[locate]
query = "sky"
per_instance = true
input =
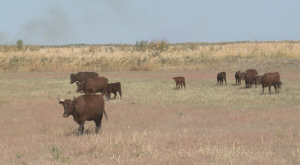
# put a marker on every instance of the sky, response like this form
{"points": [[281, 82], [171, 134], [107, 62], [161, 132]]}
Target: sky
{"points": [[60, 22]]}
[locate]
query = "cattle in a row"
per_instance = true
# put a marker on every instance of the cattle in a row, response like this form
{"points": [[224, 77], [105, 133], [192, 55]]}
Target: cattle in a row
{"points": [[88, 107]]}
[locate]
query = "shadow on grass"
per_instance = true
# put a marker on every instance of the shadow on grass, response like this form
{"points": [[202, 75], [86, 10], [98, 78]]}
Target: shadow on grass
{"points": [[75, 132]]}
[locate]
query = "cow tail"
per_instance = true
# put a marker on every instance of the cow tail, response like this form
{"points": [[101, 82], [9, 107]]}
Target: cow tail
{"points": [[105, 115]]}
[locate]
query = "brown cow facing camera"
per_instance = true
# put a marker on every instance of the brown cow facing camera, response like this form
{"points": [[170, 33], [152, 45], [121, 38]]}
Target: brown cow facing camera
{"points": [[220, 77], [180, 81], [82, 76], [271, 79], [88, 107], [114, 88], [250, 76]]}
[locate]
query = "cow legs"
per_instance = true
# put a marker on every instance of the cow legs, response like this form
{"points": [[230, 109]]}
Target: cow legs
{"points": [[115, 95], [81, 128], [225, 82], [263, 89], [98, 125], [275, 89], [270, 89], [184, 85]]}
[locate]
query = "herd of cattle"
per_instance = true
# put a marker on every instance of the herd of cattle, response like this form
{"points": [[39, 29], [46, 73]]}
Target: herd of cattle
{"points": [[90, 106], [251, 77]]}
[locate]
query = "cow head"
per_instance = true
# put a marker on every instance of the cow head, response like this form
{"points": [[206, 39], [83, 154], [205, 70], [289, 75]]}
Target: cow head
{"points": [[279, 84], [69, 106], [80, 86], [243, 75], [73, 78], [175, 78]]}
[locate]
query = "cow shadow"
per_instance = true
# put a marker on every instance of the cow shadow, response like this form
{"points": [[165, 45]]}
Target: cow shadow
{"points": [[75, 132]]}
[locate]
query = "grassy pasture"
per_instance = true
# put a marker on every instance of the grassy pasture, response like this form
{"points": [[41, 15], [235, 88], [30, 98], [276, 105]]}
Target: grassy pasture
{"points": [[154, 123]]}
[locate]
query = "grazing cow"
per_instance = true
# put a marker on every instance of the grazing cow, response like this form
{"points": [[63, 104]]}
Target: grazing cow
{"points": [[82, 76], [250, 76], [179, 82], [238, 77], [94, 85], [87, 107], [271, 79], [114, 88], [220, 77]]}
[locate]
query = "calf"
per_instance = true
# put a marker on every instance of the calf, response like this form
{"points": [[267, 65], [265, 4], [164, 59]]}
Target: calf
{"points": [[220, 77], [114, 88], [94, 85], [87, 107], [82, 76], [179, 82], [271, 79], [238, 77]]}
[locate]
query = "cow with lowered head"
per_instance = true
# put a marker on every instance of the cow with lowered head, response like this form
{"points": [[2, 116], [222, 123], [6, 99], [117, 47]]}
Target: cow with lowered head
{"points": [[180, 81], [271, 79], [88, 107], [250, 76], [82, 76], [114, 88], [220, 77], [94, 85]]}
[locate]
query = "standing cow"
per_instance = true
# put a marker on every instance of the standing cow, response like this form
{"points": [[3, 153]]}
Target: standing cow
{"points": [[271, 79], [94, 85], [238, 77], [220, 77], [114, 88], [180, 81], [87, 107], [82, 76], [250, 76]]}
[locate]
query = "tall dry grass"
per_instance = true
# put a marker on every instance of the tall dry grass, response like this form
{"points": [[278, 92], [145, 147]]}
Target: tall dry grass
{"points": [[230, 56]]}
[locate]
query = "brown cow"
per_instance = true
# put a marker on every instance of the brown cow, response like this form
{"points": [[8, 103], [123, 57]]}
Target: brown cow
{"points": [[87, 107], [271, 79], [238, 77], [179, 82], [250, 76], [82, 76], [114, 88], [220, 77], [258, 80], [94, 85]]}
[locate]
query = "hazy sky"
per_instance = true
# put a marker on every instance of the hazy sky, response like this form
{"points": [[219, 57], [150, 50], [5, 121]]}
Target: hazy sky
{"points": [[58, 22]]}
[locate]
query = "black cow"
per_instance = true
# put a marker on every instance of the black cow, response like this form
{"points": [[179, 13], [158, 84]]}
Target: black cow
{"points": [[82, 76], [87, 107], [238, 77]]}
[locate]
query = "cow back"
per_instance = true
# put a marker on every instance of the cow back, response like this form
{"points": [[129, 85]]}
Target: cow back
{"points": [[114, 87], [90, 106], [96, 84], [84, 76]]}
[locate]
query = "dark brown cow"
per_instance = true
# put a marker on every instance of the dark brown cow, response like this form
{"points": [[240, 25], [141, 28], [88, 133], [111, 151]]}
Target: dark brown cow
{"points": [[250, 76], [220, 77], [87, 107], [180, 81], [94, 85], [82, 76], [271, 79], [114, 88], [238, 77]]}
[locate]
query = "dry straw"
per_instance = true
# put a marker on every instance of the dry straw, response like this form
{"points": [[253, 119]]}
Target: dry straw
{"points": [[230, 56]]}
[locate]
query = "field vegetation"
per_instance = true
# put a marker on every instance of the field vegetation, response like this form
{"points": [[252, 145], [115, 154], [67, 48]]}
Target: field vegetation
{"points": [[153, 123], [156, 55]]}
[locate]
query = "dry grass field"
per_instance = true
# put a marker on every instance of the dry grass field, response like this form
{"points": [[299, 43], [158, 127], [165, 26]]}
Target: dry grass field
{"points": [[153, 123]]}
